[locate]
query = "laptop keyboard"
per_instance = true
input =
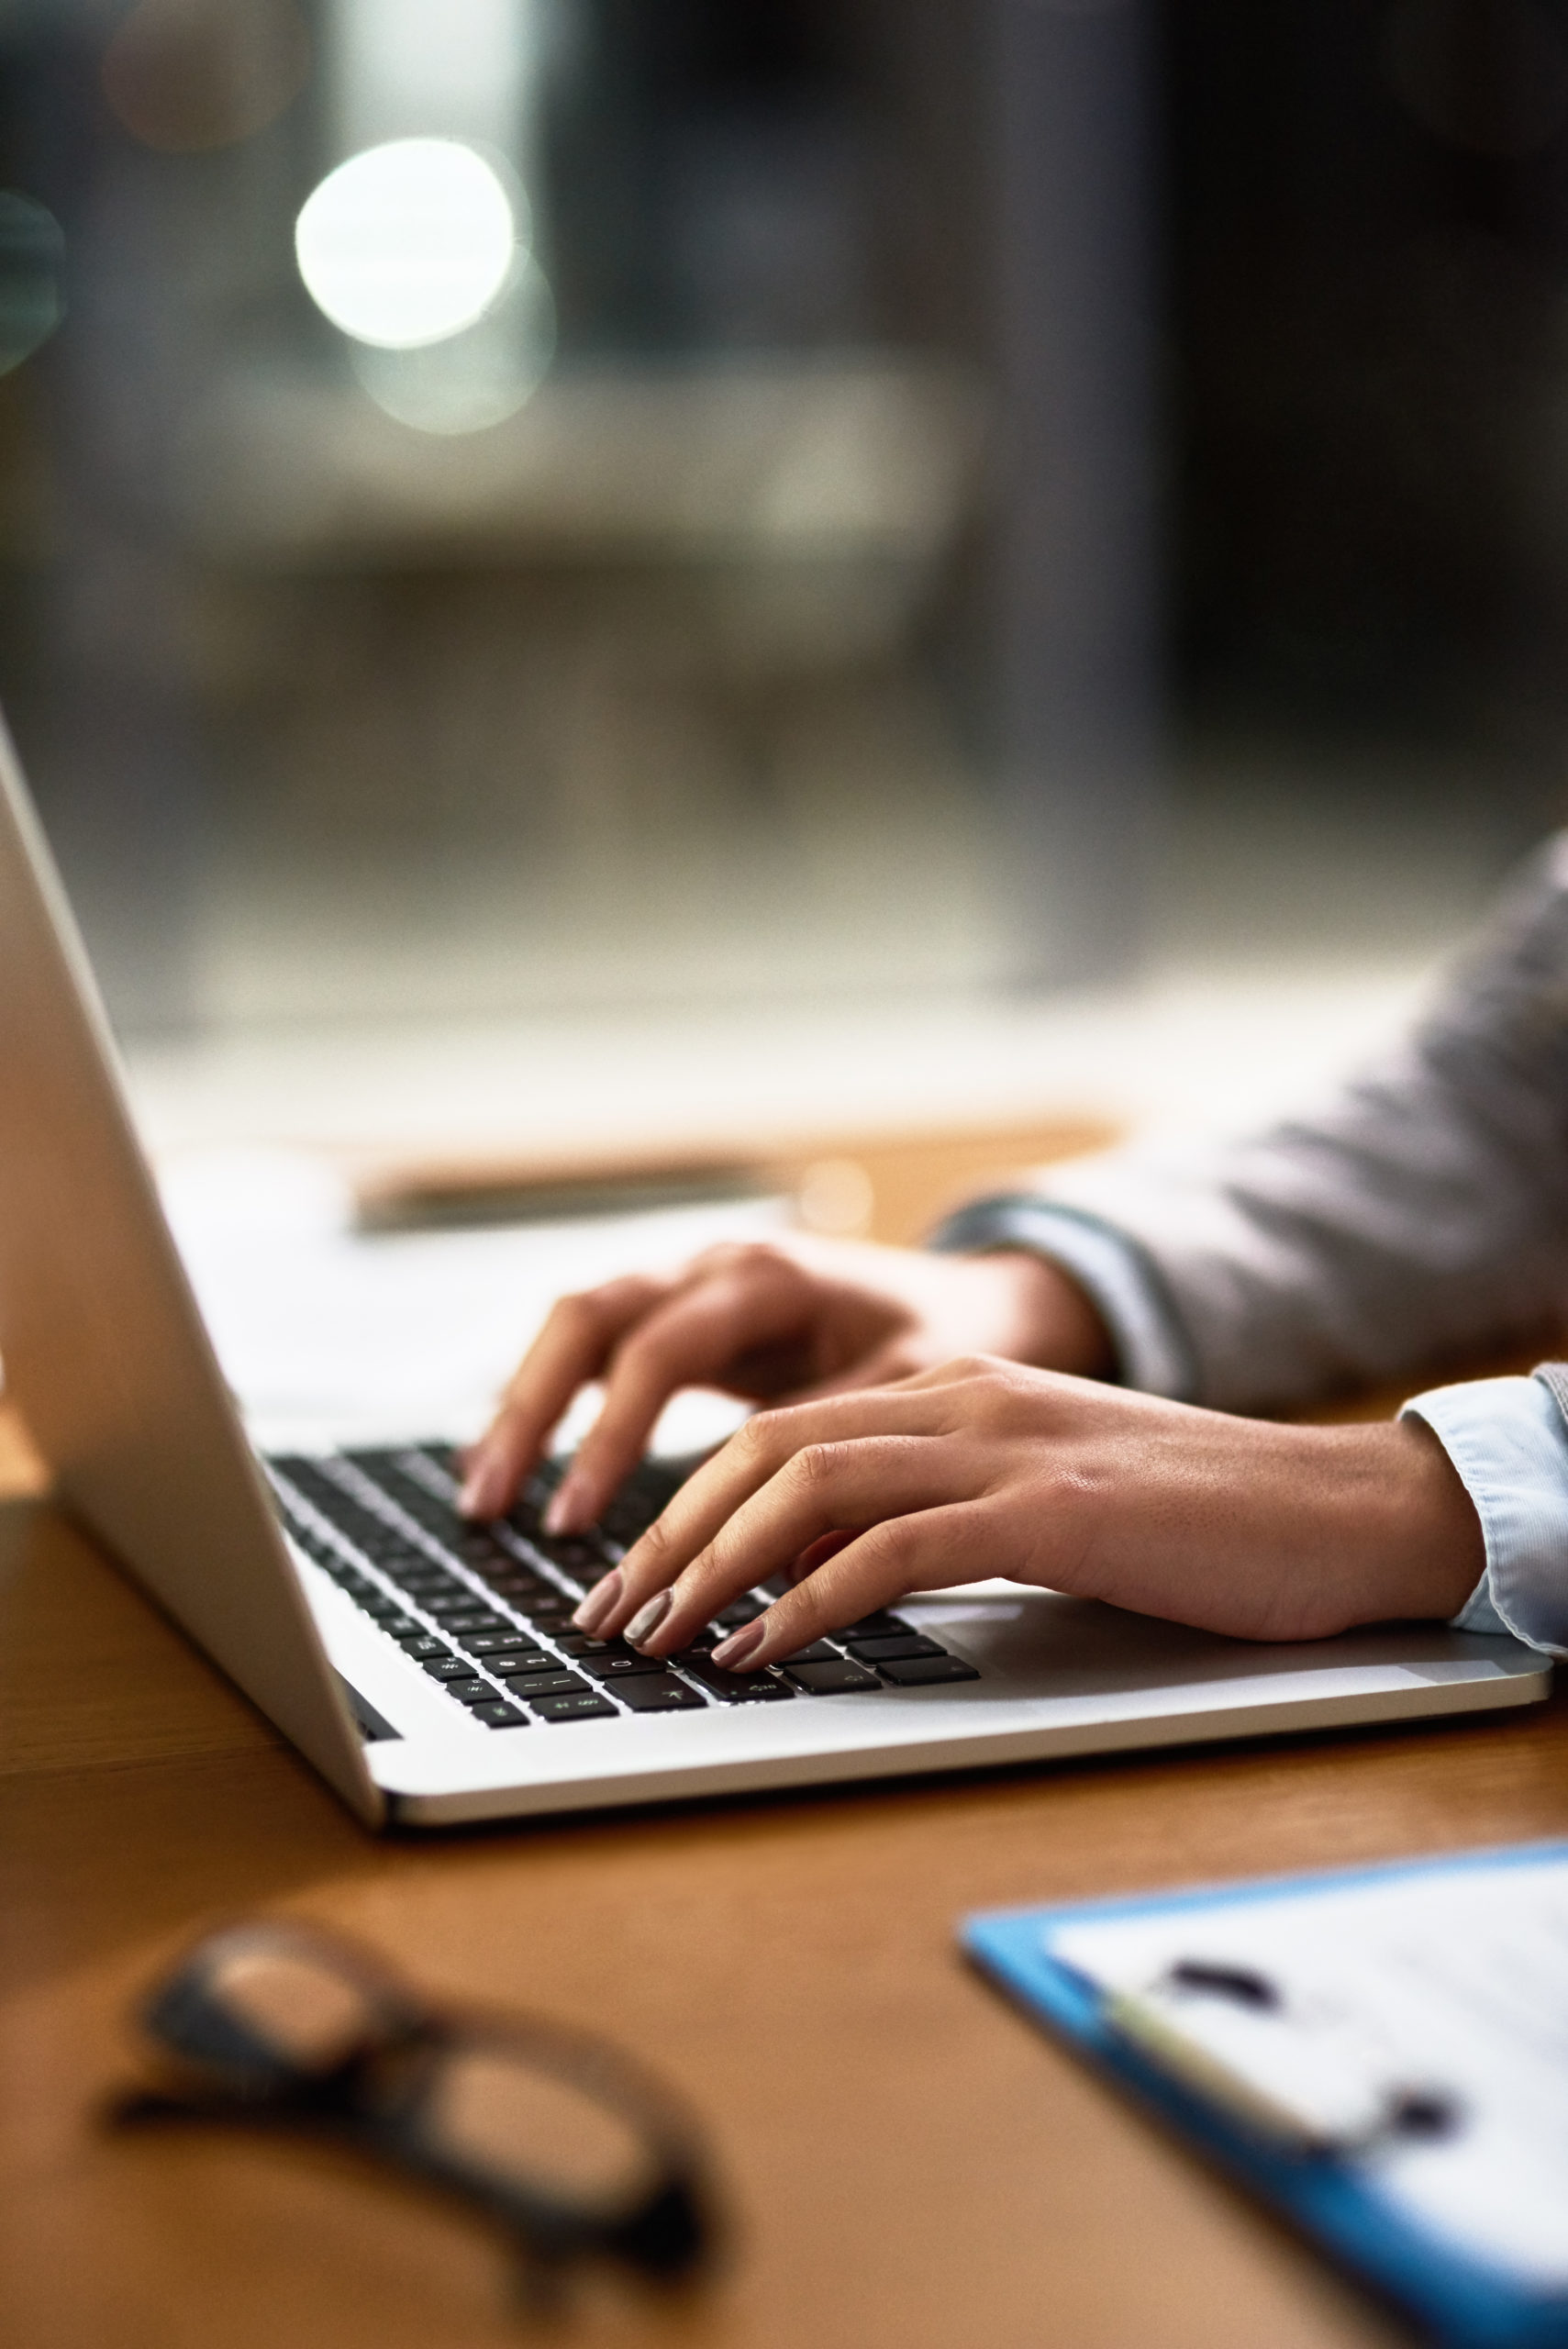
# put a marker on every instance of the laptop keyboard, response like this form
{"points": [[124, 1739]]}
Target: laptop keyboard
{"points": [[485, 1611]]}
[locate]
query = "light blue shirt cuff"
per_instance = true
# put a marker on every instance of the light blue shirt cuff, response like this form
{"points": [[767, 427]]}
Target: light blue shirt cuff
{"points": [[1113, 1271], [1509, 1445]]}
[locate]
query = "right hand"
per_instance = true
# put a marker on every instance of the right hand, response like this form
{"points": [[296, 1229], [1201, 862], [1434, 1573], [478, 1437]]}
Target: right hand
{"points": [[781, 1322]]}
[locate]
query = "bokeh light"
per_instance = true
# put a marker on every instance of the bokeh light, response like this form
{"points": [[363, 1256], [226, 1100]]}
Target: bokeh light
{"points": [[471, 381], [186, 76], [32, 255], [407, 243]]}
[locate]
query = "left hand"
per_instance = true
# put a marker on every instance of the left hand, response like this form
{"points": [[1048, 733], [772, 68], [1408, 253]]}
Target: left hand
{"points": [[986, 1468]]}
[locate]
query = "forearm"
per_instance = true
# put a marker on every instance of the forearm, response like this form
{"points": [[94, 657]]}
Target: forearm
{"points": [[1423, 1211]]}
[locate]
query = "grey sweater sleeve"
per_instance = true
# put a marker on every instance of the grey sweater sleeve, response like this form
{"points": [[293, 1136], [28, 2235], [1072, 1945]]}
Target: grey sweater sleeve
{"points": [[1424, 1209]]}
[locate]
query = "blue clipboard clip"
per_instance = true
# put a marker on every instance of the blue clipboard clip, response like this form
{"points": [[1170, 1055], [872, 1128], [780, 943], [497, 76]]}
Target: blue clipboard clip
{"points": [[1326, 2186]]}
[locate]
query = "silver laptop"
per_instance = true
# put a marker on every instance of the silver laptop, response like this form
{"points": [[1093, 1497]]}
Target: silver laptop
{"points": [[428, 1669]]}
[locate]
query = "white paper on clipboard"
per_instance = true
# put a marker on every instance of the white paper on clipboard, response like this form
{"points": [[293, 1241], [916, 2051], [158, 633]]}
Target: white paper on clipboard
{"points": [[1450, 1981]]}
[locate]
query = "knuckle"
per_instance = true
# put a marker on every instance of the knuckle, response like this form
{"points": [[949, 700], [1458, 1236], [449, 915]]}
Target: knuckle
{"points": [[883, 1551], [654, 1543], [751, 1261], [762, 1256], [763, 1436], [579, 1310], [646, 1351], [815, 1465], [887, 1540]]}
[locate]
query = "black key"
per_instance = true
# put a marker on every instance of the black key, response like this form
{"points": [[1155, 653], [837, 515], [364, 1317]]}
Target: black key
{"points": [[625, 1522], [396, 1559], [884, 1651], [473, 1541], [628, 1667], [447, 1666], [380, 1542], [457, 1601], [577, 1554], [734, 1688], [879, 1626], [378, 1605], [422, 1645], [491, 1643], [547, 1606], [472, 1692], [499, 1715], [584, 1643], [314, 1544], [817, 1653], [517, 1660], [738, 1611], [840, 1678], [572, 1709], [401, 1627], [347, 1577], [547, 1684], [476, 1626], [659, 1692], [921, 1671]]}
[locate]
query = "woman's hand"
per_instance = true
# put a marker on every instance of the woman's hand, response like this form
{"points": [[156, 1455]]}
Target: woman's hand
{"points": [[986, 1468], [792, 1320]]}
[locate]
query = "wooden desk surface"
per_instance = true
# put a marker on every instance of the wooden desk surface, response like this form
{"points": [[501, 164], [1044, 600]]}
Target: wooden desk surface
{"points": [[908, 2161]]}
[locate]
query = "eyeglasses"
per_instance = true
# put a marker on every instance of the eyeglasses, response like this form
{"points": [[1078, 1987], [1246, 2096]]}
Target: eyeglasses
{"points": [[554, 2136]]}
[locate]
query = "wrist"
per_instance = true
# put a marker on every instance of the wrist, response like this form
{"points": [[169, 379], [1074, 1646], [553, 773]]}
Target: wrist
{"points": [[1415, 1534], [1059, 1326]]}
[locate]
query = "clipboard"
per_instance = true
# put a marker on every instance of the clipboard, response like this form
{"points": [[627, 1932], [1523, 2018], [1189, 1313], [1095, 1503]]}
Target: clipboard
{"points": [[1335, 2194]]}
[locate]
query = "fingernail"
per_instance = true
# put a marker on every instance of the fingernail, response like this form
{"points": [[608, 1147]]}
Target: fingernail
{"points": [[597, 1605], [732, 1652], [647, 1620], [564, 1513]]}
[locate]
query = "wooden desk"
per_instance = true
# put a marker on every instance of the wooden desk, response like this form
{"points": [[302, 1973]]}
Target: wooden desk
{"points": [[910, 2163]]}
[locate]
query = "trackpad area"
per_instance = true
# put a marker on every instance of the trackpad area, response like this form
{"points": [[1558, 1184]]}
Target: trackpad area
{"points": [[1051, 1644]]}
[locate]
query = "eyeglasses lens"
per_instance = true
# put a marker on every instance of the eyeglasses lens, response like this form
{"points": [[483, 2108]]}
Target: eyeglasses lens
{"points": [[493, 2111], [305, 2015], [269, 2012]]}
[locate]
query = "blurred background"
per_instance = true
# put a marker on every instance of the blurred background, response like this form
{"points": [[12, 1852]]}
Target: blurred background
{"points": [[576, 570]]}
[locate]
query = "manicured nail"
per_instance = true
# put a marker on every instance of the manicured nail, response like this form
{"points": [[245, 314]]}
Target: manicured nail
{"points": [[647, 1620], [565, 1513], [732, 1652], [597, 1605]]}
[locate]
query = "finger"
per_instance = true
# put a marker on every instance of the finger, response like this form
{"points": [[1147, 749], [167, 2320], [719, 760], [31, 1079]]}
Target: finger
{"points": [[691, 1341], [709, 1499], [821, 1489], [816, 1553], [927, 1550], [570, 1349]]}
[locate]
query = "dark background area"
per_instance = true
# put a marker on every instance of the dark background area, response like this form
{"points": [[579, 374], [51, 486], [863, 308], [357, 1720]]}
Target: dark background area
{"points": [[1358, 218], [1368, 257]]}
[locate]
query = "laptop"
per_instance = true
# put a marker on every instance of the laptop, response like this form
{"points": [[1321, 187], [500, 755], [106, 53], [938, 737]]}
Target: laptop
{"points": [[428, 1669]]}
